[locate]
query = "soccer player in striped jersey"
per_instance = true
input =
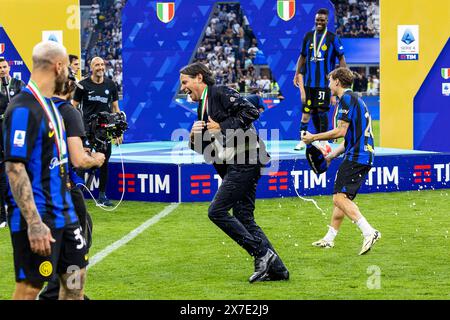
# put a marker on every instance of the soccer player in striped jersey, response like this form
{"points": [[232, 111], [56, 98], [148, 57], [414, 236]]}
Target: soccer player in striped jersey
{"points": [[354, 124], [320, 49], [45, 231]]}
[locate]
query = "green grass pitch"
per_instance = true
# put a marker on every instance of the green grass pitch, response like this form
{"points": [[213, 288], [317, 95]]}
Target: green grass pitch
{"points": [[185, 256]]}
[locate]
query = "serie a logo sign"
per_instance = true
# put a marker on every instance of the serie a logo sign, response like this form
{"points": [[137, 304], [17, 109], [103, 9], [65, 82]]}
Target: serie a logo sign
{"points": [[286, 9], [165, 11]]}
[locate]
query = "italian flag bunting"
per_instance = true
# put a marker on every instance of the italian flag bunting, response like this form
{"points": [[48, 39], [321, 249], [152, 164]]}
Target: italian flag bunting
{"points": [[445, 72], [286, 9], [165, 11]]}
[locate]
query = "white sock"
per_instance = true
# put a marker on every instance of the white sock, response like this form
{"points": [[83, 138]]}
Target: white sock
{"points": [[365, 227], [331, 234]]}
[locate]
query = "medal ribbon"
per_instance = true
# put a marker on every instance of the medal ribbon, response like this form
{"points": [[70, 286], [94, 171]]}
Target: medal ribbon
{"points": [[317, 48], [204, 101], [57, 123]]}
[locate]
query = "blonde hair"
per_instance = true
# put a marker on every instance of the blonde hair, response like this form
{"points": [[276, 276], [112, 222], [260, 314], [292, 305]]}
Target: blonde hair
{"points": [[46, 52]]}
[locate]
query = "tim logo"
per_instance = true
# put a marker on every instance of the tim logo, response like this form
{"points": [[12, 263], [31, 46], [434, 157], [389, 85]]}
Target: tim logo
{"points": [[144, 183], [201, 184], [422, 173], [278, 180], [129, 184]]}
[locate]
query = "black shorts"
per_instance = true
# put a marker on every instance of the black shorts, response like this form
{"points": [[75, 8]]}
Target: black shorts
{"points": [[316, 98], [349, 178], [83, 215], [69, 250]]}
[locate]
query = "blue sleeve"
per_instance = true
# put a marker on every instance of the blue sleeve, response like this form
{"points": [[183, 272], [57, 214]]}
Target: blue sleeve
{"points": [[338, 47], [344, 112], [305, 47], [20, 131]]}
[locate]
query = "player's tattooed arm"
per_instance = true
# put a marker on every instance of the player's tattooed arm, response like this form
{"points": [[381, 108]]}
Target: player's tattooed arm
{"points": [[343, 125], [22, 192], [338, 132], [38, 233]]}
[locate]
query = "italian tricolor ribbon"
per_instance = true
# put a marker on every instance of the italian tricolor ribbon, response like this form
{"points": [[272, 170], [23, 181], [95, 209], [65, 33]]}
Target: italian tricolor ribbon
{"points": [[52, 114]]}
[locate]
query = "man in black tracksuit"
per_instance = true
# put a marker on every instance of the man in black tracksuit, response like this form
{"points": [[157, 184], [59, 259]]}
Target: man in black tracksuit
{"points": [[226, 137]]}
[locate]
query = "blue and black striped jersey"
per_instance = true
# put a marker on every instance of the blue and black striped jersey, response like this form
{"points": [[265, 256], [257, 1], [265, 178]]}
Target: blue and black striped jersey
{"points": [[316, 72], [359, 138], [29, 139]]}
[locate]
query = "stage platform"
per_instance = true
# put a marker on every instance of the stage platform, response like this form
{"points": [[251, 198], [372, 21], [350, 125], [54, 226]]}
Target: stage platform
{"points": [[170, 172]]}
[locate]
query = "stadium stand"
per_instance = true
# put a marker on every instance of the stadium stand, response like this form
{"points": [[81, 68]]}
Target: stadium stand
{"points": [[102, 36], [357, 19], [228, 47]]}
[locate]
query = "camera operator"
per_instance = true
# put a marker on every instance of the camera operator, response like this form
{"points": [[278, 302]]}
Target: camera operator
{"points": [[98, 94], [79, 159], [9, 87]]}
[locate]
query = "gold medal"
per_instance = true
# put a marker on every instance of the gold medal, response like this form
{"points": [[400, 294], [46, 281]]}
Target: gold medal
{"points": [[316, 49]]}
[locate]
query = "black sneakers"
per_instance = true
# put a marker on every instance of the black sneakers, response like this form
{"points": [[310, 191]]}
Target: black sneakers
{"points": [[262, 265], [104, 201], [278, 275]]}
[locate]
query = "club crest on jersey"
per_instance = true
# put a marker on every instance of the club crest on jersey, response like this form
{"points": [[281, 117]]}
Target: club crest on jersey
{"points": [[106, 91]]}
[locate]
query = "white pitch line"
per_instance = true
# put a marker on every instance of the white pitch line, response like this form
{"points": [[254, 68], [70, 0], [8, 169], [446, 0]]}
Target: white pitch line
{"points": [[133, 234]]}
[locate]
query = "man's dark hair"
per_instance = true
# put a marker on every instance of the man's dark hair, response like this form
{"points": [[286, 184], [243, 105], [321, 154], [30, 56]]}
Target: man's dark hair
{"points": [[72, 57], [323, 11], [193, 69], [2, 59], [68, 87], [344, 75]]}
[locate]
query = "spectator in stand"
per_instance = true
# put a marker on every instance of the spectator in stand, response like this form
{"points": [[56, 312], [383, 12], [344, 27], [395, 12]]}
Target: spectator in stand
{"points": [[370, 85], [351, 13], [264, 84], [106, 38], [375, 85], [359, 82]]}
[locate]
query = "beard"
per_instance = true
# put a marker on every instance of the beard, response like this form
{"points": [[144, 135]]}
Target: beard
{"points": [[60, 81]]}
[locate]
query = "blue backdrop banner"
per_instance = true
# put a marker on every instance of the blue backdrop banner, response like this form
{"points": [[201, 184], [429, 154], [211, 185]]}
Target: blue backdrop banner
{"points": [[154, 52], [432, 107]]}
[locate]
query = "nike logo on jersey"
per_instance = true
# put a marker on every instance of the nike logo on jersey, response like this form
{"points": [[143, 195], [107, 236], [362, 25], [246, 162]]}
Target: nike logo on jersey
{"points": [[51, 133], [91, 92]]}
